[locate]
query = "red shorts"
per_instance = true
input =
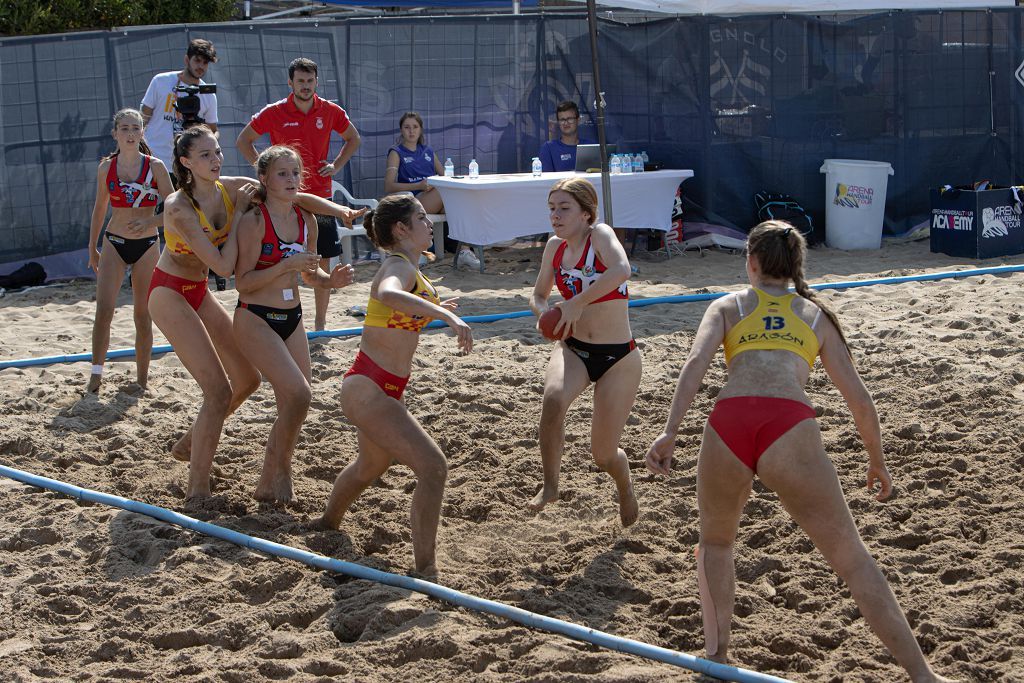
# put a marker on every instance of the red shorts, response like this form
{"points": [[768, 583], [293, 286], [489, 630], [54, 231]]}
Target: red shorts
{"points": [[392, 385], [194, 291], [750, 424]]}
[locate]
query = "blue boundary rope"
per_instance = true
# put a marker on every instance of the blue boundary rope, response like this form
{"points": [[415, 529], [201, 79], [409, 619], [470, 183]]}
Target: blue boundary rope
{"points": [[531, 619], [678, 299]]}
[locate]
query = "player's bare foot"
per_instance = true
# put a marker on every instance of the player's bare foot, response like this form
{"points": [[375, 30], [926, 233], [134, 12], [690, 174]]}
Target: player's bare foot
{"points": [[629, 509], [277, 490], [182, 450], [133, 389], [93, 387], [428, 573], [325, 524], [544, 496], [196, 494]]}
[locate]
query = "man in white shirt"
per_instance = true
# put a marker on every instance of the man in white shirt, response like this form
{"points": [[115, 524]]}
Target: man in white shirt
{"points": [[161, 97]]}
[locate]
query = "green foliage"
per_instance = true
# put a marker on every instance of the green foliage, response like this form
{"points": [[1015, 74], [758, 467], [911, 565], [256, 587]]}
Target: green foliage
{"points": [[185, 11], [34, 17]]}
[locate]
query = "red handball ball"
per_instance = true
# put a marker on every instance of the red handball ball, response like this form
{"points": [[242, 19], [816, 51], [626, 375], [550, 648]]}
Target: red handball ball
{"points": [[549, 321]]}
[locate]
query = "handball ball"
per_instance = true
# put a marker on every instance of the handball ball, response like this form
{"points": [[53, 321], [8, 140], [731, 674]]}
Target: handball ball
{"points": [[549, 321]]}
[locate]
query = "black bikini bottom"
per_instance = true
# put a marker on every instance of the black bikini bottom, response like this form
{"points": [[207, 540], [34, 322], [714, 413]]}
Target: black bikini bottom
{"points": [[599, 358], [131, 250], [281, 320]]}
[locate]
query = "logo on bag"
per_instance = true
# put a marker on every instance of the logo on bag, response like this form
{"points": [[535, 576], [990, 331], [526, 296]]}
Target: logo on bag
{"points": [[952, 219], [998, 221], [853, 196]]}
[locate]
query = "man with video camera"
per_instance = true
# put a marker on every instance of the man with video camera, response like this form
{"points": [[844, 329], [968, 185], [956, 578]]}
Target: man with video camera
{"points": [[176, 100]]}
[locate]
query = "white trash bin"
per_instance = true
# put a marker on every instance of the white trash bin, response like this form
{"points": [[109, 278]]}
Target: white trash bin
{"points": [[855, 202]]}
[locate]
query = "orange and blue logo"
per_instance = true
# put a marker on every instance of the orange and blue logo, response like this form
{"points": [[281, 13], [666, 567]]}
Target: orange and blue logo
{"points": [[853, 196]]}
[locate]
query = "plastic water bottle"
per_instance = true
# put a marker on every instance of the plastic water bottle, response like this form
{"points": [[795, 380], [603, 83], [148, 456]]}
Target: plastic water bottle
{"points": [[646, 158], [538, 167], [449, 168], [638, 163], [614, 165], [627, 163], [474, 169]]}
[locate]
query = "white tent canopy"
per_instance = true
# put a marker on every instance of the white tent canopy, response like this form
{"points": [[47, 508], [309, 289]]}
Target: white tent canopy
{"points": [[812, 6]]}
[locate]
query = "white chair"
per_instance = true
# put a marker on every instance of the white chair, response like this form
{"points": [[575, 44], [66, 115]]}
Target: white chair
{"points": [[357, 229], [438, 219]]}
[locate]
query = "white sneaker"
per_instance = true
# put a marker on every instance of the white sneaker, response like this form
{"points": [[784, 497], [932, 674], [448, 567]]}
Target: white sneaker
{"points": [[467, 259]]}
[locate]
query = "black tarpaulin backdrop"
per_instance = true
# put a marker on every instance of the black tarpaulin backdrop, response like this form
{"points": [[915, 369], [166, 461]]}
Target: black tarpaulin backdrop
{"points": [[749, 103]]}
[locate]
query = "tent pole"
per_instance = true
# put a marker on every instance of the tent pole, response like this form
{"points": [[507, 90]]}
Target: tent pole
{"points": [[606, 185]]}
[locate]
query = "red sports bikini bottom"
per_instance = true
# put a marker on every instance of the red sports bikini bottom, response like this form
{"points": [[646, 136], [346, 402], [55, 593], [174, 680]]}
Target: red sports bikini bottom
{"points": [[390, 384], [750, 424], [194, 291]]}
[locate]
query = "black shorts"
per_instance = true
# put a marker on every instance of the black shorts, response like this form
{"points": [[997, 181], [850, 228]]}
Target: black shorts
{"points": [[328, 243]]}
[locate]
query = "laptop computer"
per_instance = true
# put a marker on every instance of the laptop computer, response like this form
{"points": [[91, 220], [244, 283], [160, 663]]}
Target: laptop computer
{"points": [[588, 157]]}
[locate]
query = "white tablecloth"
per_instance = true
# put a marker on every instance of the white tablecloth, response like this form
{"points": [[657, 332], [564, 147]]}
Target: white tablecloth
{"points": [[496, 208]]}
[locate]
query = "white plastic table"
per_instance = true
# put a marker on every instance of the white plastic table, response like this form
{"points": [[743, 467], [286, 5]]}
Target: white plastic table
{"points": [[497, 208]]}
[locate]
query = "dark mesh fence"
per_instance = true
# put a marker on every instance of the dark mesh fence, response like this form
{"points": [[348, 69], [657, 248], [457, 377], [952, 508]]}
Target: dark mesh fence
{"points": [[750, 103]]}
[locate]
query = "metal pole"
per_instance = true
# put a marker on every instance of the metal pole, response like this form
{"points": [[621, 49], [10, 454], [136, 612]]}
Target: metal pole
{"points": [[606, 181]]}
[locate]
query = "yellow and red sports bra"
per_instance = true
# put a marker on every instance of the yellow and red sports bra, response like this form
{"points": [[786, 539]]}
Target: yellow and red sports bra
{"points": [[381, 315], [218, 236], [771, 326]]}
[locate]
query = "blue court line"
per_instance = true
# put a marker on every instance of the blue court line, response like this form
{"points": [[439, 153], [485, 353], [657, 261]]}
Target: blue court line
{"points": [[531, 619], [494, 317]]}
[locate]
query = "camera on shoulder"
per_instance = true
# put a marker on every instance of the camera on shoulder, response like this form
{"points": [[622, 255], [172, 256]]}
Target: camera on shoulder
{"points": [[188, 103]]}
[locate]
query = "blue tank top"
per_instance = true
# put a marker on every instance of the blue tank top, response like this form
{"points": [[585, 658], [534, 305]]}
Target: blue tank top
{"points": [[414, 166]]}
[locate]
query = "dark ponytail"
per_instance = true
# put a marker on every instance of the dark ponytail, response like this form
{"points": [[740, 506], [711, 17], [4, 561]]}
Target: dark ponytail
{"points": [[380, 222], [780, 250], [370, 227]]}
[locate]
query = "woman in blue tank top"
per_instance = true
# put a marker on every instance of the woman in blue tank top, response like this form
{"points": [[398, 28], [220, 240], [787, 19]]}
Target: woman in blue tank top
{"points": [[411, 162]]}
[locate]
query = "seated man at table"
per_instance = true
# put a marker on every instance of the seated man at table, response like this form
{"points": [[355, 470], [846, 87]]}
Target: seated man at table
{"points": [[560, 154]]}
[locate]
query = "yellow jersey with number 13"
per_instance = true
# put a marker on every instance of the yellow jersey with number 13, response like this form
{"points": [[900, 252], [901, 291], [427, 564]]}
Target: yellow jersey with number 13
{"points": [[772, 326]]}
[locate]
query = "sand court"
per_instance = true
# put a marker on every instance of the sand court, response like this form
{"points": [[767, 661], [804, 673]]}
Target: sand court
{"points": [[90, 592]]}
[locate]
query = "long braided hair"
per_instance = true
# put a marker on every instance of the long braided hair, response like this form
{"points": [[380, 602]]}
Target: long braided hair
{"points": [[780, 250], [129, 113], [182, 146]]}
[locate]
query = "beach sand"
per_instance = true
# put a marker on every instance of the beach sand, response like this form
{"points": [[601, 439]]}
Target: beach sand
{"points": [[92, 593]]}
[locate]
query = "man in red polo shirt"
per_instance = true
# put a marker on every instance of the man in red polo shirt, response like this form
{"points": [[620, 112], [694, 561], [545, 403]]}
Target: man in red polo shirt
{"points": [[305, 121]]}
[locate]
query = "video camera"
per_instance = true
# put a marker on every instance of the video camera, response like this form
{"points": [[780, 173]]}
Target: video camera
{"points": [[188, 105]]}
